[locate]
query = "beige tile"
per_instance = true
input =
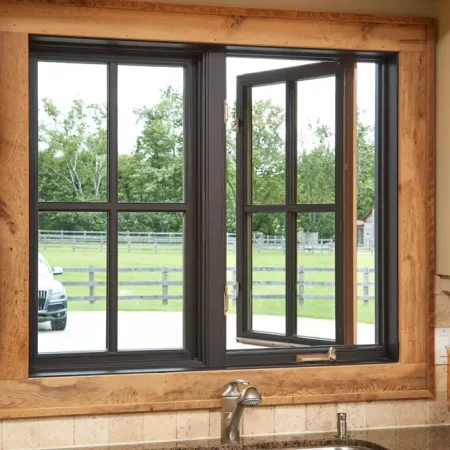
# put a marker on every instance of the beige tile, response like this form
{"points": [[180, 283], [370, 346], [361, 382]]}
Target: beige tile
{"points": [[56, 432], [290, 419], [437, 285], [437, 410], [321, 417], [356, 414], [441, 378], [160, 426], [444, 284], [258, 420], [19, 434], [91, 430], [214, 423], [126, 428], [192, 424], [411, 412], [442, 319], [381, 414]]}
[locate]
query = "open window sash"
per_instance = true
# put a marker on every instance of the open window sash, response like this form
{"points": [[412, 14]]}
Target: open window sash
{"points": [[254, 328]]}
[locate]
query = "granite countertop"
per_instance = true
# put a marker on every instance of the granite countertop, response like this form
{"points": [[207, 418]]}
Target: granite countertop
{"points": [[417, 438]]}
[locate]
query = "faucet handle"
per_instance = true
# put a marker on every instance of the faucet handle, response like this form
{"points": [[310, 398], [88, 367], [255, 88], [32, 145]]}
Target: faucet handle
{"points": [[231, 389]]}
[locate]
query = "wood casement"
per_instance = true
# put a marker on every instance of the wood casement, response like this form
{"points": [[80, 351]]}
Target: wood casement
{"points": [[411, 38]]}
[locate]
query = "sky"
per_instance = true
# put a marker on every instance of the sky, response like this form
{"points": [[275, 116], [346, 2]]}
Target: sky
{"points": [[141, 86]]}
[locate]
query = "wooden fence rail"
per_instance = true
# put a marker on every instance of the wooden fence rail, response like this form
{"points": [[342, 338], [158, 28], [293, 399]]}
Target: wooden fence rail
{"points": [[165, 283], [129, 241]]}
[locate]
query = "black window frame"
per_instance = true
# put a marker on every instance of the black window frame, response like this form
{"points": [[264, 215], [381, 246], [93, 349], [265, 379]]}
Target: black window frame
{"points": [[207, 339]]}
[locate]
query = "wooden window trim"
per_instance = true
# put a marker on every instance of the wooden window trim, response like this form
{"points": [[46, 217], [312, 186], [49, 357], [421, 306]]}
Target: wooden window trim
{"points": [[412, 377]]}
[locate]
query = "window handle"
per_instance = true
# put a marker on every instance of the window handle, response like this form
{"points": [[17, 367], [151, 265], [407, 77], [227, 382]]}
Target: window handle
{"points": [[329, 356], [226, 300]]}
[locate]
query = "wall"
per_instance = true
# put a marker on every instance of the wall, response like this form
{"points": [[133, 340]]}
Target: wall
{"points": [[442, 139], [70, 431]]}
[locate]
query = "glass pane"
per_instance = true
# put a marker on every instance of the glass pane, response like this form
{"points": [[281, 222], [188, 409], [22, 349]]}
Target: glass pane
{"points": [[316, 140], [72, 162], [268, 144], [71, 282], [150, 133], [365, 206], [316, 292], [268, 259], [150, 281]]}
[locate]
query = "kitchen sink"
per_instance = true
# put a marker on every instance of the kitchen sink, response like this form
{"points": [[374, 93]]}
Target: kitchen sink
{"points": [[331, 448]]}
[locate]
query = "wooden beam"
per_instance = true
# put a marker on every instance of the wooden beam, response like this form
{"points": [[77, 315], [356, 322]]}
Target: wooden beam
{"points": [[70, 20], [199, 390], [14, 206], [350, 259], [233, 11]]}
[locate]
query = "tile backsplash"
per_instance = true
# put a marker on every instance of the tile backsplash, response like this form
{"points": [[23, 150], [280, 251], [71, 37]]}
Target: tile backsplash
{"points": [[75, 432]]}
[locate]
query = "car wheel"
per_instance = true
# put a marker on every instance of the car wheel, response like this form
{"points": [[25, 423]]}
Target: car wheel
{"points": [[59, 325]]}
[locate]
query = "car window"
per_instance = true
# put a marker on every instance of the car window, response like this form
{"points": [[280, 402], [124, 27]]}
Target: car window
{"points": [[44, 268]]}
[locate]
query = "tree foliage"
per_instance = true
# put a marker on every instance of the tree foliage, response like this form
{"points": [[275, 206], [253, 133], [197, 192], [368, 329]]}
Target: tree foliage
{"points": [[73, 166]]}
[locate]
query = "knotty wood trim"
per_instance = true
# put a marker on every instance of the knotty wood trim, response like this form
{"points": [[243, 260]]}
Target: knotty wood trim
{"points": [[13, 206], [21, 397], [199, 390], [69, 20], [242, 12], [349, 215], [414, 158]]}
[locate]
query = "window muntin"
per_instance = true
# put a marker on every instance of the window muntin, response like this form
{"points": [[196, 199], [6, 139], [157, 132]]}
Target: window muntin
{"points": [[203, 341]]}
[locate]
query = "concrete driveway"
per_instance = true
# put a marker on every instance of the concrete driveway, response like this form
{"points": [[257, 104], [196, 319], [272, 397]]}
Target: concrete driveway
{"points": [[86, 331]]}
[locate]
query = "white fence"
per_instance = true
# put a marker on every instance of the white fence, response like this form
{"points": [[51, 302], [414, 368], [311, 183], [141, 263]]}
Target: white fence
{"points": [[157, 242]]}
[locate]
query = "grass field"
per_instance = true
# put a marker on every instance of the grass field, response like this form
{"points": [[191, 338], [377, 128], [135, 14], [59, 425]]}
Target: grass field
{"points": [[172, 258]]}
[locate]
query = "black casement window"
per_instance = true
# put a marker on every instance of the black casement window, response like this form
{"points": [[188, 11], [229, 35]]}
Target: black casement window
{"points": [[188, 207], [291, 205]]}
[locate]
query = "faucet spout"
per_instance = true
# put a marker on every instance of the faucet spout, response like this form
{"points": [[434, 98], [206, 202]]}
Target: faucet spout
{"points": [[233, 403]]}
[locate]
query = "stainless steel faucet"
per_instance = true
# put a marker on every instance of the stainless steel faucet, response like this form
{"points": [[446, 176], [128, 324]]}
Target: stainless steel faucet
{"points": [[233, 402]]}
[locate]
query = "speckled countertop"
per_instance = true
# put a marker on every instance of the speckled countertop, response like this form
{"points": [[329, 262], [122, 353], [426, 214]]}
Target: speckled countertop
{"points": [[418, 438]]}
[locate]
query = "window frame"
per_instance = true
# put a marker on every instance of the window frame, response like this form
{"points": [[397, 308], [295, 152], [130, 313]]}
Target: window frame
{"points": [[210, 351], [111, 360], [386, 226]]}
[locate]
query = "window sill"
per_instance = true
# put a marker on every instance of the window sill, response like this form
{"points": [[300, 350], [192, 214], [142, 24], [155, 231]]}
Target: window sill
{"points": [[107, 394]]}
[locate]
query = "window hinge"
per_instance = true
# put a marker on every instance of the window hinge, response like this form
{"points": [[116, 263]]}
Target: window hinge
{"points": [[226, 112], [236, 290], [225, 300]]}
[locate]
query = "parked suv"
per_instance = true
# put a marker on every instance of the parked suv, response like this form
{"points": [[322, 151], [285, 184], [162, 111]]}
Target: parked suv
{"points": [[52, 297]]}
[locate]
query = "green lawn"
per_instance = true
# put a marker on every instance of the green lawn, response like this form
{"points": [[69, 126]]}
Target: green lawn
{"points": [[172, 258]]}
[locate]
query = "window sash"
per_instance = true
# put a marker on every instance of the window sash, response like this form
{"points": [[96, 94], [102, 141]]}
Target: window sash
{"points": [[111, 359], [245, 207]]}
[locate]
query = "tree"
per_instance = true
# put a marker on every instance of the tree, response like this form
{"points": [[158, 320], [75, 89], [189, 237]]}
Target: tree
{"points": [[72, 166], [365, 168], [153, 172], [72, 155]]}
